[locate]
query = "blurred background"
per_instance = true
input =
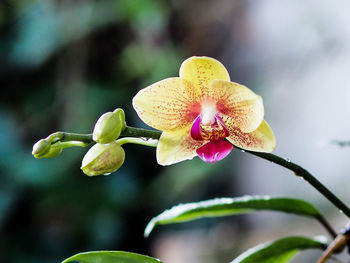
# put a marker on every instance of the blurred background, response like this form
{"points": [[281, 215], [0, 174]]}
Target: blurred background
{"points": [[63, 63]]}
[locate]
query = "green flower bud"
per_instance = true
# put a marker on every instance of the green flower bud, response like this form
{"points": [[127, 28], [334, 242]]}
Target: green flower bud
{"points": [[121, 114], [109, 126], [40, 148], [55, 150], [103, 159]]}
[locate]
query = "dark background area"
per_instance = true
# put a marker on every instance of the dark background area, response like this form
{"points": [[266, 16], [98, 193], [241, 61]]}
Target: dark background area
{"points": [[64, 63]]}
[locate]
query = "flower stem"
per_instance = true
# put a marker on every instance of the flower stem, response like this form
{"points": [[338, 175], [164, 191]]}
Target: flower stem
{"points": [[323, 221], [300, 171], [141, 141], [87, 138], [341, 143], [67, 137], [73, 144], [154, 134], [139, 132]]}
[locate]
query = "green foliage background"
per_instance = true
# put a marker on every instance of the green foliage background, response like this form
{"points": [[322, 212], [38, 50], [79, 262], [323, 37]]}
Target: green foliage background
{"points": [[63, 64]]}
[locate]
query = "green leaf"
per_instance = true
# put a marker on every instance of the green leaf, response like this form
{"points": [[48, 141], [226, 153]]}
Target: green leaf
{"points": [[230, 206], [280, 251], [110, 257]]}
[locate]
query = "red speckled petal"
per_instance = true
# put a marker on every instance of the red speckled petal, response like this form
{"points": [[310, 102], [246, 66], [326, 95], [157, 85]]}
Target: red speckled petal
{"points": [[214, 151], [177, 146], [196, 129], [242, 107], [168, 104], [200, 71], [260, 140], [223, 125]]}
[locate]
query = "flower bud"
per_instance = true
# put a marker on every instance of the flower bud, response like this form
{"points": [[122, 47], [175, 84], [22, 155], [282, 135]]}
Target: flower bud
{"points": [[40, 148], [109, 126], [103, 159], [121, 114], [55, 150]]}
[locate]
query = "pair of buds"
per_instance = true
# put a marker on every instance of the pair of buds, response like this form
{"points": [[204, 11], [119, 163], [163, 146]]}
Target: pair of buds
{"points": [[105, 157]]}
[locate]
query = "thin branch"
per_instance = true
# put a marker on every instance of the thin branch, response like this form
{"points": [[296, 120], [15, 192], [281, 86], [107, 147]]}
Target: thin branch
{"points": [[154, 134], [341, 143], [300, 171], [326, 225], [87, 138], [338, 244]]}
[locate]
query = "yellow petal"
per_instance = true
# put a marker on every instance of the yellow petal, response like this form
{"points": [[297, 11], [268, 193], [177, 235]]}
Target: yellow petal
{"points": [[260, 140], [241, 107], [177, 146], [167, 105], [200, 71]]}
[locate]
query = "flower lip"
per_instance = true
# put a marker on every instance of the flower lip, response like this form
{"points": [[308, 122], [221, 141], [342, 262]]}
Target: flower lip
{"points": [[214, 151]]}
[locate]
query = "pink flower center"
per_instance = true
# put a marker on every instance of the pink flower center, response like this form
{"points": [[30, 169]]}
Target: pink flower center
{"points": [[214, 132]]}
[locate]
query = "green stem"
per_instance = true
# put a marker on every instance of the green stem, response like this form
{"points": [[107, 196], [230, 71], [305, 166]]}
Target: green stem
{"points": [[141, 141], [300, 171], [139, 132], [73, 144], [154, 134], [87, 138], [323, 221], [67, 136], [341, 143]]}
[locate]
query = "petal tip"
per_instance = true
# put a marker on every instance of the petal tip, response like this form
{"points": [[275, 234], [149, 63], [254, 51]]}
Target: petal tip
{"points": [[176, 146], [189, 67], [260, 140]]}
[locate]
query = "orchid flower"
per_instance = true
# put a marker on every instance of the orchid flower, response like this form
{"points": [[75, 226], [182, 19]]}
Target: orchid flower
{"points": [[203, 113]]}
